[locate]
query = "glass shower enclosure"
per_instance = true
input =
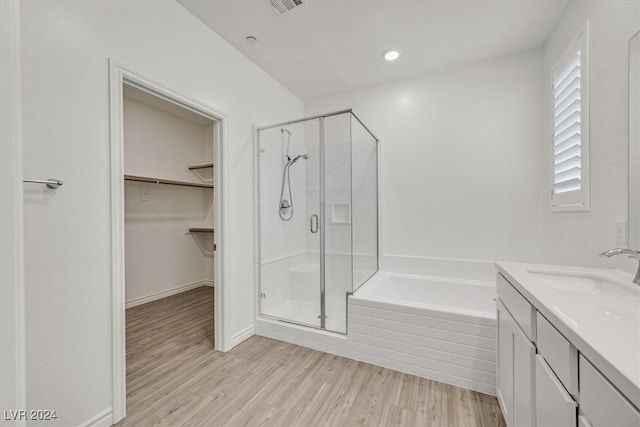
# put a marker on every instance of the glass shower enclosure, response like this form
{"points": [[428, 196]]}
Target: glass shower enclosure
{"points": [[317, 217]]}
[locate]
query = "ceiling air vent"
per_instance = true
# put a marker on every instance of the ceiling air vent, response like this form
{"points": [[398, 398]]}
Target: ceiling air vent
{"points": [[283, 6]]}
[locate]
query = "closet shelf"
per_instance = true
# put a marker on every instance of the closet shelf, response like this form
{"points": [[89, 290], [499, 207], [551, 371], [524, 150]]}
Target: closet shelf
{"points": [[202, 166], [200, 230], [165, 181]]}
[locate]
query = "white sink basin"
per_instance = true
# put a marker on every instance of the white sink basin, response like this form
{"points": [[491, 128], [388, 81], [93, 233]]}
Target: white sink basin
{"points": [[580, 283], [577, 296]]}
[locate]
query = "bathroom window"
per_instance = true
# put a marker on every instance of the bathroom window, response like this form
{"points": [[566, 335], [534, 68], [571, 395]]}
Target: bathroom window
{"points": [[570, 125]]}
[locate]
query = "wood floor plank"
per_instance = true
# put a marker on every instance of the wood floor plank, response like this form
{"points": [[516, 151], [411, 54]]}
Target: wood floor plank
{"points": [[393, 416], [369, 407], [345, 393], [175, 378]]}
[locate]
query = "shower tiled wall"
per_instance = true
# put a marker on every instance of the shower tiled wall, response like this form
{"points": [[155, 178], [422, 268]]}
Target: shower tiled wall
{"points": [[282, 243], [278, 238]]}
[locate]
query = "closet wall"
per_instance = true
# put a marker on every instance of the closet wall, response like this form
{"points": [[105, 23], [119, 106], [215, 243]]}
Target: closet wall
{"points": [[162, 257]]}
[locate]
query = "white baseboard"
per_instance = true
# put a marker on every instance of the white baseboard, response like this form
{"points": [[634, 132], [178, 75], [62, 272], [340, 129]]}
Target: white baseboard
{"points": [[166, 293], [242, 336], [103, 419], [327, 342]]}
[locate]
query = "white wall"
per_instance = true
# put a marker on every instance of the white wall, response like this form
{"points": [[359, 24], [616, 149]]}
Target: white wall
{"points": [[461, 154], [578, 238], [160, 258], [162, 144], [65, 50], [159, 255], [634, 142]]}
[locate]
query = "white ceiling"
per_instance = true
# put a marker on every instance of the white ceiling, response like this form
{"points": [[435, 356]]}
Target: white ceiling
{"points": [[332, 46]]}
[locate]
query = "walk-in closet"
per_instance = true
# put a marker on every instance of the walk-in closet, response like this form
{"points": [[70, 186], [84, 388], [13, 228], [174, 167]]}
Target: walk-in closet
{"points": [[169, 235]]}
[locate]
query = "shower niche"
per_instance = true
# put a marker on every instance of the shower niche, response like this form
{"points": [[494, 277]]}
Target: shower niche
{"points": [[317, 217]]}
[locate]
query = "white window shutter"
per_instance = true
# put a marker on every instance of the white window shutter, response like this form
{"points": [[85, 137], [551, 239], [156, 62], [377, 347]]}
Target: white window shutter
{"points": [[570, 125]]}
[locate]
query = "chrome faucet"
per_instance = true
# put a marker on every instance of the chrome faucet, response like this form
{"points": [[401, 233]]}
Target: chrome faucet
{"points": [[624, 251]]}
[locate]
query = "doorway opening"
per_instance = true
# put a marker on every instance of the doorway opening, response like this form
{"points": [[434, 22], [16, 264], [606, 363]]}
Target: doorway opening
{"points": [[167, 234]]}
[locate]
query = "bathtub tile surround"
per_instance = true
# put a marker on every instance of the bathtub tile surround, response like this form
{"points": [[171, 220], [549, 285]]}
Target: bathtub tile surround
{"points": [[466, 357], [410, 317]]}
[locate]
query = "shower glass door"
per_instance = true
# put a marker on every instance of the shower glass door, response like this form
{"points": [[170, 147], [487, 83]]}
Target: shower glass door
{"points": [[289, 222], [335, 134], [317, 218]]}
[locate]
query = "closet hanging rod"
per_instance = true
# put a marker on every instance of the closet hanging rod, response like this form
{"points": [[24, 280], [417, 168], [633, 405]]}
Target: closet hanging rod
{"points": [[165, 181], [51, 182]]}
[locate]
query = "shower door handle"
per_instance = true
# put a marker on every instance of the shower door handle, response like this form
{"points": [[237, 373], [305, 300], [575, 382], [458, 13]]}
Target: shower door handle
{"points": [[313, 223]]}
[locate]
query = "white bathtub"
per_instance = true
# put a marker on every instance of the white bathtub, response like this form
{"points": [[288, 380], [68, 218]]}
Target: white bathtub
{"points": [[467, 297], [438, 328]]}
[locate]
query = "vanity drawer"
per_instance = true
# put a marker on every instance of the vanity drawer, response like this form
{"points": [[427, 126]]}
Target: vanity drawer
{"points": [[554, 406], [559, 353], [523, 312], [601, 402]]}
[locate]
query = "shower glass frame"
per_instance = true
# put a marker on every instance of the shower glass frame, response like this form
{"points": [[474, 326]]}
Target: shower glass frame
{"points": [[353, 120]]}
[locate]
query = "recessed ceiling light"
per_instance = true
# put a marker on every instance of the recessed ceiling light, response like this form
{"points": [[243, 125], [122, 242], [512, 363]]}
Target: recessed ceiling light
{"points": [[251, 39], [390, 54]]}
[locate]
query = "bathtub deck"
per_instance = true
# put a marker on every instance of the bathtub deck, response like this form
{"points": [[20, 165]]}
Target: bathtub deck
{"points": [[176, 378]]}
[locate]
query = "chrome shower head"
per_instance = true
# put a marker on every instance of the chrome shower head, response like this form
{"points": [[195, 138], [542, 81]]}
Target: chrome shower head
{"points": [[283, 130], [296, 158]]}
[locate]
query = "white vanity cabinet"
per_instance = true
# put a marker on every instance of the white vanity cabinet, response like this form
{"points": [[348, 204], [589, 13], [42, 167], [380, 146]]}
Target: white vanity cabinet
{"points": [[554, 406], [531, 380], [543, 378], [516, 354], [601, 403], [556, 376], [560, 354]]}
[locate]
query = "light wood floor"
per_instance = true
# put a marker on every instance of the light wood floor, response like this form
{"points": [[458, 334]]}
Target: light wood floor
{"points": [[175, 378]]}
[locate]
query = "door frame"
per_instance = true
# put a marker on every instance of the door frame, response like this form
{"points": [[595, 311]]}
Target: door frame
{"points": [[118, 76], [12, 291]]}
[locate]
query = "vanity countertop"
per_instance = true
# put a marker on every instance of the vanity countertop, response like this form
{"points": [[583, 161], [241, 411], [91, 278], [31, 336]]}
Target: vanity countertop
{"points": [[602, 322]]}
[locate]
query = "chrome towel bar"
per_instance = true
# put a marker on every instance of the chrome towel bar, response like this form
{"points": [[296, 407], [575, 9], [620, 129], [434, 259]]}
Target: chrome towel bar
{"points": [[51, 183]]}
